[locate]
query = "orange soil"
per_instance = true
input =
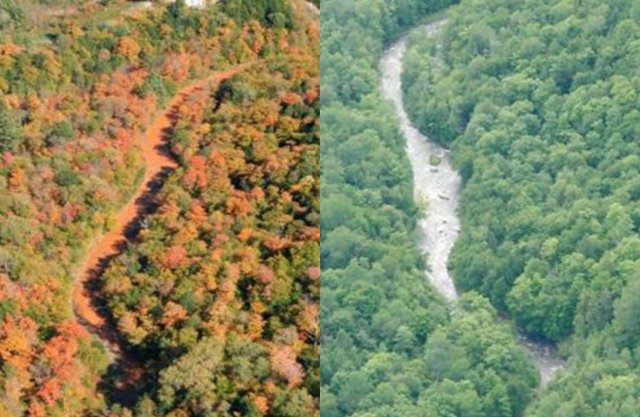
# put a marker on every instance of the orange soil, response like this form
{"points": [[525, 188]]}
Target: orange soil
{"points": [[158, 160]]}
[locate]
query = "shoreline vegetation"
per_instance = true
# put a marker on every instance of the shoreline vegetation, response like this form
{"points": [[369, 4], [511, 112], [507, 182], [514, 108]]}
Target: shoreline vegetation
{"points": [[390, 344]]}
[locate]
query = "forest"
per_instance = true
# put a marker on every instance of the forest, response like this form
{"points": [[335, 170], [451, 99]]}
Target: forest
{"points": [[391, 344], [233, 249], [220, 292], [539, 103]]}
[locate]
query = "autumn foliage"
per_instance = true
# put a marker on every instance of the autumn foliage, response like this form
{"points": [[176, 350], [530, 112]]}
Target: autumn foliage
{"points": [[74, 101], [227, 272]]}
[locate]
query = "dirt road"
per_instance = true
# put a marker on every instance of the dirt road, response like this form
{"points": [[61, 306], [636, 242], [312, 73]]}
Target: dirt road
{"points": [[88, 306]]}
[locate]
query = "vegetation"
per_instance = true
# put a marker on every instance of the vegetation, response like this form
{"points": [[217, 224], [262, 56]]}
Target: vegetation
{"points": [[539, 102], [75, 96], [277, 13], [220, 292], [390, 345]]}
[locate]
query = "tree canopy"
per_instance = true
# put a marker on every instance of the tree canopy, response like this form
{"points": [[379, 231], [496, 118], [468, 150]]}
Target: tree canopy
{"points": [[539, 102], [79, 85]]}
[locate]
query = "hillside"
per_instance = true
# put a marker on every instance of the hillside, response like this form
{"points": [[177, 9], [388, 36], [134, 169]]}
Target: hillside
{"points": [[82, 87]]}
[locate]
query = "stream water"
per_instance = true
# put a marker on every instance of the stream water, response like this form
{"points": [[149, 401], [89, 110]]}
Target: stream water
{"points": [[437, 187]]}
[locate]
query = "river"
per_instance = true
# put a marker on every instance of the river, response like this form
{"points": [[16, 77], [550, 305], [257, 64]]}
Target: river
{"points": [[437, 188]]}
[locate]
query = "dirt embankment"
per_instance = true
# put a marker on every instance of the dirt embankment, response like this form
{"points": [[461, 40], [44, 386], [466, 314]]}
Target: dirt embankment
{"points": [[88, 305]]}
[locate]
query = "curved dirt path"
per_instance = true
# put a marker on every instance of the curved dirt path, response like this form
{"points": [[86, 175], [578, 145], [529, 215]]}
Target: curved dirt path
{"points": [[438, 186], [87, 304]]}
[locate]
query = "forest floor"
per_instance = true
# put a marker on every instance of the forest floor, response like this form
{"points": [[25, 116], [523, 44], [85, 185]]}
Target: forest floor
{"points": [[88, 305]]}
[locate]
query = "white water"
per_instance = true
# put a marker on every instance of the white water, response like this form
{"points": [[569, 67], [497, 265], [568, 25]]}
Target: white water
{"points": [[438, 187]]}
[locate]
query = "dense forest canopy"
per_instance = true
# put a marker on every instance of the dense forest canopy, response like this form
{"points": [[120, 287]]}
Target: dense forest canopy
{"points": [[226, 274], [391, 346], [79, 84], [539, 102]]}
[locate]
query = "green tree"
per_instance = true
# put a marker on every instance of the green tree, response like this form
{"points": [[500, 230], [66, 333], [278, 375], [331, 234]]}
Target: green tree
{"points": [[626, 317], [10, 129]]}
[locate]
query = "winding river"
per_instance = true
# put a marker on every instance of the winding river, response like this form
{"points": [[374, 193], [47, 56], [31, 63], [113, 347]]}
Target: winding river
{"points": [[437, 186]]}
